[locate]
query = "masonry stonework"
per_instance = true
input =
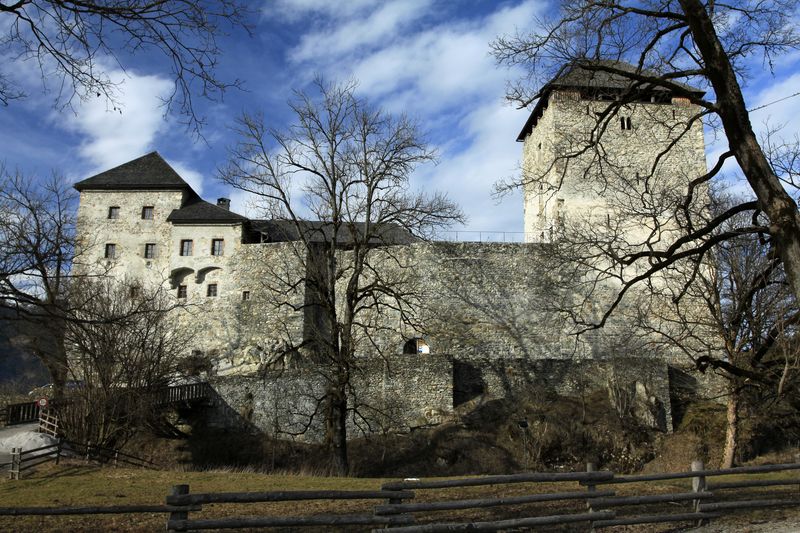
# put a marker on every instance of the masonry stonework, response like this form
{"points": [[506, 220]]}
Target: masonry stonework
{"points": [[491, 315]]}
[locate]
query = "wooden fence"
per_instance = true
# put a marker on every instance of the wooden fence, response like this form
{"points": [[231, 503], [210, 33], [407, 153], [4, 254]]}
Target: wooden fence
{"points": [[191, 392], [591, 502], [19, 413], [22, 460]]}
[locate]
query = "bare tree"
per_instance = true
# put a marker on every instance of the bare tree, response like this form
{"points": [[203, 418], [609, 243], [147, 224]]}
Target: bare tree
{"points": [[124, 348], [670, 46], [37, 248], [75, 43], [737, 318], [337, 181]]}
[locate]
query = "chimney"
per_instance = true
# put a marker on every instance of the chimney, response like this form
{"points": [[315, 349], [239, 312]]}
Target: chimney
{"points": [[224, 203]]}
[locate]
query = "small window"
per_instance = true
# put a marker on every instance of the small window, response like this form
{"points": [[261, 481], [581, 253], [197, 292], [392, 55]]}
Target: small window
{"points": [[113, 212], [416, 346], [181, 291], [111, 251], [147, 212], [150, 250], [186, 247], [217, 246], [625, 123], [245, 296], [211, 290]]}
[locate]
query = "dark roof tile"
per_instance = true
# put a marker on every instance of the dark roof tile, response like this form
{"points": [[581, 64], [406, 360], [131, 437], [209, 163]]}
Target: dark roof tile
{"points": [[580, 77], [197, 210], [150, 171], [318, 231]]}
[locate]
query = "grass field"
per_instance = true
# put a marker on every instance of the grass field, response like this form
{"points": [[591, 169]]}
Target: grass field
{"points": [[80, 485]]}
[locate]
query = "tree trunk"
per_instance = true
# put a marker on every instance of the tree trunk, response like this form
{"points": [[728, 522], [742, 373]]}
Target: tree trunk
{"points": [[336, 434], [773, 199], [732, 431]]}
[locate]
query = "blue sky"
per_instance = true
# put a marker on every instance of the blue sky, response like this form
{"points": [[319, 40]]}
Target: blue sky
{"points": [[427, 58]]}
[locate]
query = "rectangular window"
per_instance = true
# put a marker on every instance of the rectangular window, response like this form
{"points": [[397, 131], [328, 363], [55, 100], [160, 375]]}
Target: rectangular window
{"points": [[217, 246], [113, 212], [625, 122], [181, 291], [147, 212], [150, 250], [245, 295], [186, 247], [211, 290], [111, 251]]}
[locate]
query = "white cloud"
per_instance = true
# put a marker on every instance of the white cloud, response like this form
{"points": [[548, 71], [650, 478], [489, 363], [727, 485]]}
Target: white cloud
{"points": [[376, 27], [189, 175], [298, 9], [441, 72], [114, 136]]}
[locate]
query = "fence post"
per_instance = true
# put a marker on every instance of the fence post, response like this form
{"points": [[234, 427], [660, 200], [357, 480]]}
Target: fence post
{"points": [[590, 487], [177, 490], [58, 450], [116, 457], [88, 450], [15, 463], [698, 485]]}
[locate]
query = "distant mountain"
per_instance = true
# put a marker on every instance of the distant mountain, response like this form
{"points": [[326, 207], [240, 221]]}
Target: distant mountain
{"points": [[19, 370]]}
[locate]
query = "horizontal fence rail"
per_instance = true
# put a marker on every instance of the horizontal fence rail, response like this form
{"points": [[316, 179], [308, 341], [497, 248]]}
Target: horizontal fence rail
{"points": [[25, 459], [398, 511], [179, 521]]}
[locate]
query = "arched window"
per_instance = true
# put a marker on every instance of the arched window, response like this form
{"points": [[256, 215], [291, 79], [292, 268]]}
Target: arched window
{"points": [[417, 345]]}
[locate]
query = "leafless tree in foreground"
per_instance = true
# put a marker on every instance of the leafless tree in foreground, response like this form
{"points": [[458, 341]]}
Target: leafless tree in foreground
{"points": [[737, 318], [75, 43], [124, 347], [673, 45], [339, 178], [37, 249]]}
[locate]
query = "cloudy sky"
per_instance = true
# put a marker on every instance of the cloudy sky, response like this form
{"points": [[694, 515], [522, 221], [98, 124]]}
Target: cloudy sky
{"points": [[427, 58]]}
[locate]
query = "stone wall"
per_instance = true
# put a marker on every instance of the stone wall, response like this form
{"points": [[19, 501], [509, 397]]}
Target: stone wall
{"points": [[393, 394]]}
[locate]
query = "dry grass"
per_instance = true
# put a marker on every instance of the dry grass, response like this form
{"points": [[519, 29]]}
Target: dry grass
{"points": [[81, 485]]}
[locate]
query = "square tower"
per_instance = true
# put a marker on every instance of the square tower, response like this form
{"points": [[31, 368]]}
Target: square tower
{"points": [[594, 137]]}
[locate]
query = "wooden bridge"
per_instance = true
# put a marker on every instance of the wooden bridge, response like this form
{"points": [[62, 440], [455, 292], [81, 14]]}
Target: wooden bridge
{"points": [[190, 393]]}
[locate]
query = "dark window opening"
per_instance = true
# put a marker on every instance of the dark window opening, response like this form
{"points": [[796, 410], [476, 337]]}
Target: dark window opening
{"points": [[150, 250], [147, 212], [217, 246], [111, 251], [113, 212], [245, 295], [625, 122], [134, 291], [186, 247], [182, 291], [416, 345], [211, 290]]}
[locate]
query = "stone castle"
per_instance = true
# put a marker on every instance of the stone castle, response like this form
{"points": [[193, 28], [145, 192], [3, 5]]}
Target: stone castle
{"points": [[488, 323]]}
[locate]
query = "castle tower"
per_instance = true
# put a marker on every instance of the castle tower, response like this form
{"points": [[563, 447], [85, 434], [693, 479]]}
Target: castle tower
{"points": [[652, 141]]}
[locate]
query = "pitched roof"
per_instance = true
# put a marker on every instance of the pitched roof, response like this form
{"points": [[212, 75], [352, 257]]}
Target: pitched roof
{"points": [[579, 76], [320, 231], [150, 171], [197, 210]]}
